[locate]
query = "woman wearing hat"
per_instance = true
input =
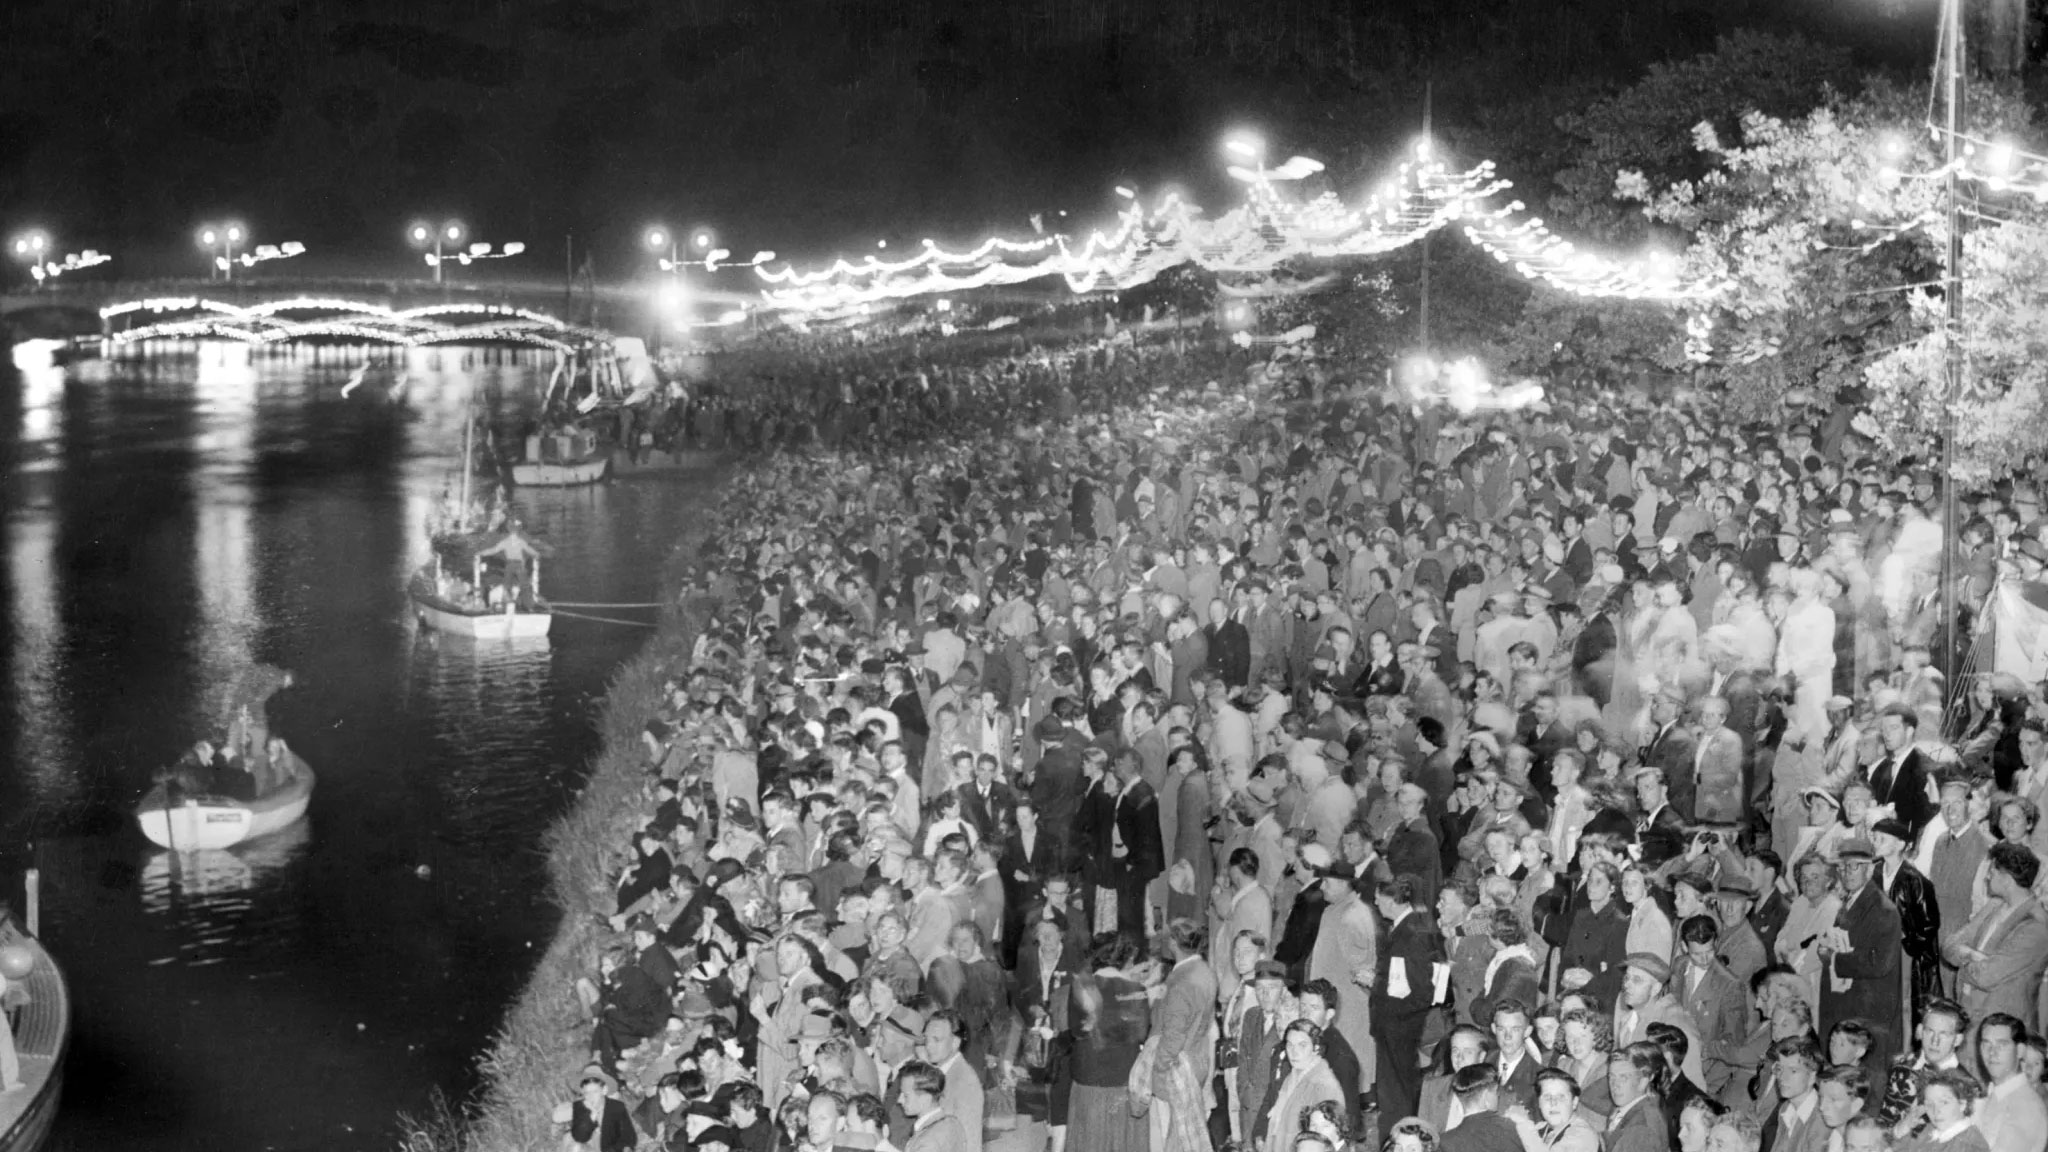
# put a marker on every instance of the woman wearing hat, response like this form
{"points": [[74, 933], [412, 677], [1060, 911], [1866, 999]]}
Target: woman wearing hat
{"points": [[1813, 913]]}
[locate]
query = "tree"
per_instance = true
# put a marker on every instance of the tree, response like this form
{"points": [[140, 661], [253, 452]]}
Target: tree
{"points": [[1825, 238]]}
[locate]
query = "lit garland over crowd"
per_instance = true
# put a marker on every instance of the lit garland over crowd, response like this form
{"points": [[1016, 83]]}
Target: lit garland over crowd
{"points": [[1268, 229]]}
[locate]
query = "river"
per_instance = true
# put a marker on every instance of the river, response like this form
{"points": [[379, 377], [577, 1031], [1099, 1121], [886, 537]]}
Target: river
{"points": [[169, 520]]}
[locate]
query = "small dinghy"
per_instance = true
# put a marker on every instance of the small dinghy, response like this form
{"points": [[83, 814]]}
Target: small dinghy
{"points": [[185, 821]]}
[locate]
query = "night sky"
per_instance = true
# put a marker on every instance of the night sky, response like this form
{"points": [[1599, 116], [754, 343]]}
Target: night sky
{"points": [[808, 126]]}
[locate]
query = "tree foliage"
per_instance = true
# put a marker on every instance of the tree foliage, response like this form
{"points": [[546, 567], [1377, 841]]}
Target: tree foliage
{"points": [[1825, 235]]}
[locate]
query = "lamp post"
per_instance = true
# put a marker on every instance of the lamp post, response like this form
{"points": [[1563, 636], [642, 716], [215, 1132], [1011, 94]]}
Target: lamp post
{"points": [[29, 248], [1952, 332], [226, 238], [424, 235]]}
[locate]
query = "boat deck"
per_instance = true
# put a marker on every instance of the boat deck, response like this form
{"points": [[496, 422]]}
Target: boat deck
{"points": [[42, 1029]]}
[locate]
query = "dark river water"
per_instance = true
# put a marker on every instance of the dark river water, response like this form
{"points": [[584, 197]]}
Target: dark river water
{"points": [[168, 521]]}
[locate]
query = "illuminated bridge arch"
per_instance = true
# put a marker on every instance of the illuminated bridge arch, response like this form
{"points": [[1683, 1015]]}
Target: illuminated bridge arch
{"points": [[328, 318]]}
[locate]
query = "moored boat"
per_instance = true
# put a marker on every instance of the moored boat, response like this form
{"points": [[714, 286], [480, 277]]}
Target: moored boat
{"points": [[550, 474], [186, 822], [42, 1036], [508, 623]]}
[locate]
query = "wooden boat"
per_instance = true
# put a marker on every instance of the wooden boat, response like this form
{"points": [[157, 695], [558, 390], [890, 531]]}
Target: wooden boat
{"points": [[507, 623], [182, 822], [561, 474], [42, 1036]]}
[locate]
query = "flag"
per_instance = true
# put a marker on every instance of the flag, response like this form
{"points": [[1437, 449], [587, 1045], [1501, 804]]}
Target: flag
{"points": [[2019, 616]]}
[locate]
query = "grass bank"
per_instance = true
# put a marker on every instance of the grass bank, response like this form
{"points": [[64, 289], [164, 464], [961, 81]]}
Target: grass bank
{"points": [[545, 1037]]}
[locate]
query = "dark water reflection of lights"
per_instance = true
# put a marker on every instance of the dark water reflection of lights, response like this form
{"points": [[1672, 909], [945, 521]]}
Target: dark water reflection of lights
{"points": [[166, 521]]}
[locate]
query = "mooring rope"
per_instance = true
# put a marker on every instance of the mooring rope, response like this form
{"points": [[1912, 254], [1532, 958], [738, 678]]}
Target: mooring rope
{"points": [[601, 619]]}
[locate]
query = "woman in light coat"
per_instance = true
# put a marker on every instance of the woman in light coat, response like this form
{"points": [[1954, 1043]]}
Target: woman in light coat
{"points": [[1309, 1082]]}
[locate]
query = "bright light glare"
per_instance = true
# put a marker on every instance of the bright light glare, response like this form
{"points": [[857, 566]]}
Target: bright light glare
{"points": [[657, 238], [421, 233], [702, 240], [454, 232], [1998, 160], [1424, 148], [513, 249], [209, 237], [1246, 146], [234, 233], [1891, 145], [672, 296], [479, 249]]}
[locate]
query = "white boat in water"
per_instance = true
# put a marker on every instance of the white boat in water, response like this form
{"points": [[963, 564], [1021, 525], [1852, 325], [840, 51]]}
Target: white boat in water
{"points": [[507, 623], [184, 822], [561, 475]]}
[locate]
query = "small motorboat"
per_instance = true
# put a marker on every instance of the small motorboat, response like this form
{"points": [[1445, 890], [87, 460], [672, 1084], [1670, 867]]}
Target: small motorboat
{"points": [[508, 623], [184, 822], [42, 1036]]}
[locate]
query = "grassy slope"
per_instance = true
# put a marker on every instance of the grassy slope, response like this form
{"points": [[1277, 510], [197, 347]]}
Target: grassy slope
{"points": [[545, 1038]]}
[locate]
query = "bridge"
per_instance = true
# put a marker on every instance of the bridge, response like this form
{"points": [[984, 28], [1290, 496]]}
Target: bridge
{"points": [[271, 311]]}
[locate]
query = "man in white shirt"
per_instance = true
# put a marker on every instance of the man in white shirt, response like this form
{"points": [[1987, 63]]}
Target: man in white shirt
{"points": [[2012, 1117]]}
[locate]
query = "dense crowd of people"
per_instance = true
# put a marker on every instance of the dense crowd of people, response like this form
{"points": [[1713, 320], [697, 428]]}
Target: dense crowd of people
{"points": [[1194, 751]]}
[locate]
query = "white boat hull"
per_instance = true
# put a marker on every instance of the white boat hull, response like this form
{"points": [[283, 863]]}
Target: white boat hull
{"points": [[560, 475], [483, 626], [205, 823]]}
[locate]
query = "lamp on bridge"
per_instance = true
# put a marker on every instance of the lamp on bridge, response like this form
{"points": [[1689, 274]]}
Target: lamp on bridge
{"points": [[225, 238], [29, 248], [424, 235]]}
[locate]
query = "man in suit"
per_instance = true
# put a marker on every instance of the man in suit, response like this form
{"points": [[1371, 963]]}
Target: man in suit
{"points": [[1671, 748], [1545, 735], [1186, 1032], [1899, 780], [1403, 988], [1796, 1124], [2001, 951], [986, 799], [1056, 788], [1518, 1061], [1482, 1128], [1230, 646], [959, 1090], [1718, 795], [1025, 861], [1661, 830], [1716, 999], [932, 1129], [1637, 1122], [1919, 912], [1237, 904], [1412, 848], [1860, 956], [1138, 851]]}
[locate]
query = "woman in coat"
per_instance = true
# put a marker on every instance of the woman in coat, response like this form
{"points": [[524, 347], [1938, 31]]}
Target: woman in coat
{"points": [[1309, 1082], [1587, 1040], [1598, 941]]}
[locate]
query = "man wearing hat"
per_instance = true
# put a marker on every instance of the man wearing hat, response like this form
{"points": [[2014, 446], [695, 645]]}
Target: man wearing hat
{"points": [[1860, 956], [1346, 953], [1646, 1000], [1741, 948], [895, 1038], [1919, 912]]}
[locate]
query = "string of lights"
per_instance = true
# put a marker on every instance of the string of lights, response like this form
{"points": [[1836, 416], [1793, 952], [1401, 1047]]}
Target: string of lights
{"points": [[1264, 232], [283, 322]]}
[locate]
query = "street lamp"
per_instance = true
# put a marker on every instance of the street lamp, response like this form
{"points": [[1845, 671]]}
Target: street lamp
{"points": [[29, 248], [226, 238], [424, 235], [661, 240]]}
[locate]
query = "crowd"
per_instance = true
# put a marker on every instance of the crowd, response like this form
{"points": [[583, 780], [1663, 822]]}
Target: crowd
{"points": [[1252, 759]]}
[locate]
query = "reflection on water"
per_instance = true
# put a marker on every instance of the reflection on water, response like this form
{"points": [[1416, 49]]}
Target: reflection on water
{"points": [[168, 521], [211, 907]]}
